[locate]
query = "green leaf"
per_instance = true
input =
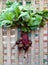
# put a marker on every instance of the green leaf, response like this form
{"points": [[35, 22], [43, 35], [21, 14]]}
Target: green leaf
{"points": [[44, 11], [37, 20], [6, 23], [17, 12], [0, 24], [40, 13], [2, 16], [30, 23], [45, 14], [21, 7], [15, 8], [23, 14], [44, 60], [8, 4], [24, 29], [8, 15]]}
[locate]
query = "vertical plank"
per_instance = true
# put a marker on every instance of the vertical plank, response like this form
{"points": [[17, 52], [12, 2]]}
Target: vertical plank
{"points": [[41, 46], [4, 41], [24, 2], [16, 48], [8, 47], [33, 4], [1, 48], [45, 40], [29, 56], [32, 49], [20, 57], [37, 48], [41, 4], [25, 59], [41, 37], [29, 52], [0, 5]]}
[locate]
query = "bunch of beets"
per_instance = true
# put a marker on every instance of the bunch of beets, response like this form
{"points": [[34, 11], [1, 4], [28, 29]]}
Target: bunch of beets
{"points": [[24, 42]]}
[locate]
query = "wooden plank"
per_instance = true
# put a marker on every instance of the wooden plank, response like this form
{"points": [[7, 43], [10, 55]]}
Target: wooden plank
{"points": [[41, 37], [45, 44], [41, 46], [32, 49], [8, 47], [25, 59], [41, 4], [0, 5], [33, 4], [37, 47], [1, 48], [24, 2], [21, 57], [16, 48], [29, 56]]}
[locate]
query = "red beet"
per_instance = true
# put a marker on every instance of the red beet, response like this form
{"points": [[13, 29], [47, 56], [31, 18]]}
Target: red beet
{"points": [[25, 38], [24, 42]]}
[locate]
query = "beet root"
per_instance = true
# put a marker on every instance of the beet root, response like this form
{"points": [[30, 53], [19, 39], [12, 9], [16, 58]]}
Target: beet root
{"points": [[25, 38], [24, 42]]}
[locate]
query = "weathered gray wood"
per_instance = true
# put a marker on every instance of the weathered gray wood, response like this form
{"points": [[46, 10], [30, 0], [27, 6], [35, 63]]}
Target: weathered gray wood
{"points": [[41, 46], [8, 47], [0, 5], [41, 4], [25, 59], [1, 48], [32, 49], [41, 37], [24, 2], [16, 48], [33, 4]]}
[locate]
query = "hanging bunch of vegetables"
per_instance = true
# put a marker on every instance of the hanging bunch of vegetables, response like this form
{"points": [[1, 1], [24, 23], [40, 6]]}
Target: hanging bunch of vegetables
{"points": [[25, 19]]}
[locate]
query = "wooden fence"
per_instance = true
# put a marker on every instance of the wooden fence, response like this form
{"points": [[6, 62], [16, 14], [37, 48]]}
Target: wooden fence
{"points": [[36, 54]]}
